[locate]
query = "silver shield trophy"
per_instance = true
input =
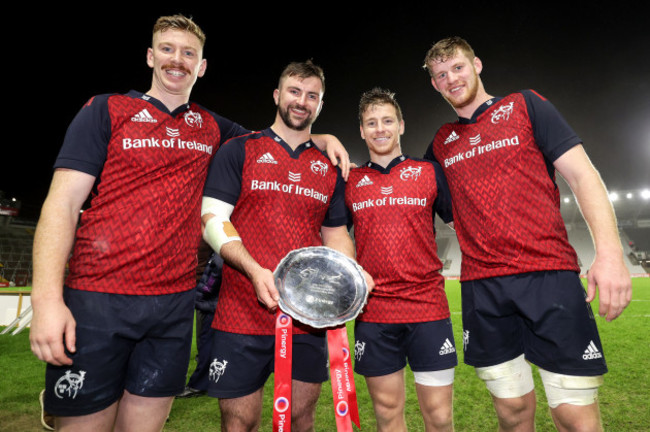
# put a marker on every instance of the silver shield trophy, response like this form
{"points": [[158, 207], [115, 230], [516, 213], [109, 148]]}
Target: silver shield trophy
{"points": [[320, 287]]}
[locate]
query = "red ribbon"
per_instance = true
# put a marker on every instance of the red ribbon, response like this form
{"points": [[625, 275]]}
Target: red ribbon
{"points": [[344, 391], [282, 379]]}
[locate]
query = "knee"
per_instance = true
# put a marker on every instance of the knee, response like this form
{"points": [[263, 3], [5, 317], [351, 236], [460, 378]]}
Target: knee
{"points": [[514, 412], [388, 407], [441, 419]]}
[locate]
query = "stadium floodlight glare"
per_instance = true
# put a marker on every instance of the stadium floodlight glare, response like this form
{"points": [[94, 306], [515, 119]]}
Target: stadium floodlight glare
{"points": [[613, 196], [567, 200], [629, 195], [645, 194]]}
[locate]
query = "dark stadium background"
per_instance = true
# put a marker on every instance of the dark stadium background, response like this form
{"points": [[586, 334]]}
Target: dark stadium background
{"points": [[590, 59]]}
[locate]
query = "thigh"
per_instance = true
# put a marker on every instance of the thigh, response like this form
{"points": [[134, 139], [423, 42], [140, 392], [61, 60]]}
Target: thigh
{"points": [[240, 364], [379, 349], [309, 363], [492, 328], [431, 346], [96, 378], [387, 390], [158, 364], [562, 335]]}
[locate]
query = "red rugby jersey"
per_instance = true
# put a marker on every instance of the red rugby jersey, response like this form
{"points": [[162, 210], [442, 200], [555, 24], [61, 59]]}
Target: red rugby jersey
{"points": [[282, 198], [142, 230], [506, 203], [393, 215]]}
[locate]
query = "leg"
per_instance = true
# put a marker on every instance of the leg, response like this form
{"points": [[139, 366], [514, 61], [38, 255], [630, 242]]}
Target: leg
{"points": [[304, 397], [436, 405], [573, 401], [516, 414], [513, 393], [96, 422], [570, 418], [242, 413], [388, 397], [138, 413]]}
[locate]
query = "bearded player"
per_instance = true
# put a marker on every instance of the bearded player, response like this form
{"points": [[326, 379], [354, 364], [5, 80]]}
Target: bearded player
{"points": [[267, 194], [522, 298]]}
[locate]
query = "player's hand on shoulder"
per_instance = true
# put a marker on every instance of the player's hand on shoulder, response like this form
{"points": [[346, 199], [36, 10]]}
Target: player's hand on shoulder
{"points": [[52, 330]]}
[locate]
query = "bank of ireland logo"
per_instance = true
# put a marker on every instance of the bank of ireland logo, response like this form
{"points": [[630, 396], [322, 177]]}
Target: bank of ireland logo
{"points": [[342, 408], [410, 172], [69, 384], [319, 167], [283, 320], [359, 349], [502, 113], [217, 369], [346, 354], [281, 404], [193, 119]]}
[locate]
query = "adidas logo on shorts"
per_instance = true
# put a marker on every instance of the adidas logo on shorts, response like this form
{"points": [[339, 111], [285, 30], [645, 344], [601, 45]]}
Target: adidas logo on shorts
{"points": [[447, 348], [592, 352]]}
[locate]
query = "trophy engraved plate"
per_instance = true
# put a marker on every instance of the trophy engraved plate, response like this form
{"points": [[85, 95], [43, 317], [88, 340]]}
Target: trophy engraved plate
{"points": [[320, 287]]}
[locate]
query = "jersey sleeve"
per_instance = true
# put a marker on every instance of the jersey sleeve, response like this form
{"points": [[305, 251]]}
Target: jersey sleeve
{"points": [[552, 133], [337, 213], [442, 204], [225, 172], [229, 129], [86, 141]]}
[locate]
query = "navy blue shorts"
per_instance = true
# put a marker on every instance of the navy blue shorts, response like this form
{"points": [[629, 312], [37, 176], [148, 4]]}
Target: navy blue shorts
{"points": [[138, 343], [543, 315], [242, 363], [381, 349]]}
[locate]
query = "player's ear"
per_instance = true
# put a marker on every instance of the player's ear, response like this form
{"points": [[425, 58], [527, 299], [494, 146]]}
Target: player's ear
{"points": [[202, 68], [433, 83], [478, 65], [150, 57]]}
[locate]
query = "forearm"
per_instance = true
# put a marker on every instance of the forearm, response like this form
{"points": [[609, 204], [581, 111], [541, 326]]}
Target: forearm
{"points": [[338, 239], [53, 242], [598, 212]]}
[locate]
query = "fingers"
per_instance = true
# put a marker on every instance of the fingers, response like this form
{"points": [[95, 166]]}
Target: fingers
{"points": [[264, 285], [52, 331], [369, 281]]}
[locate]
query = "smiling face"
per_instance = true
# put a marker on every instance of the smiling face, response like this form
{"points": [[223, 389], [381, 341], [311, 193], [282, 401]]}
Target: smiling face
{"points": [[381, 129], [177, 61], [457, 79], [299, 101]]}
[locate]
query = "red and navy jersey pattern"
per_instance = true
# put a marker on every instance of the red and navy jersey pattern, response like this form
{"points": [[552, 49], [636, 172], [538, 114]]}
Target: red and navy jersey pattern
{"points": [[392, 210], [282, 198], [499, 166], [141, 233]]}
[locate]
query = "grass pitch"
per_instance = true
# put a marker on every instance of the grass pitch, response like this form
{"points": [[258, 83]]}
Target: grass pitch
{"points": [[623, 398]]}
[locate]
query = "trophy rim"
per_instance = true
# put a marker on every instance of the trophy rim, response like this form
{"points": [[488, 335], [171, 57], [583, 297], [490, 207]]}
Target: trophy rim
{"points": [[347, 266]]}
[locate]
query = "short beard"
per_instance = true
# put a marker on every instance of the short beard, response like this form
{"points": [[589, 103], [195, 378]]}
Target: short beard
{"points": [[286, 118]]}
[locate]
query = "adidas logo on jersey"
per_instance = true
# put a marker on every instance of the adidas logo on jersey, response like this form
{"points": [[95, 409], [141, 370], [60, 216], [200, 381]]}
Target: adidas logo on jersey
{"points": [[144, 117], [365, 181], [267, 158], [452, 137], [447, 348], [592, 352]]}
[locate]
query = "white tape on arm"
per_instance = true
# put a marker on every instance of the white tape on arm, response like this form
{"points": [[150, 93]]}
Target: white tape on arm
{"points": [[218, 230]]}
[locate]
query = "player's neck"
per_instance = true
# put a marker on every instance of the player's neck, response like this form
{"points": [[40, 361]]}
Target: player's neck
{"points": [[171, 101], [292, 137], [468, 110], [384, 160]]}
